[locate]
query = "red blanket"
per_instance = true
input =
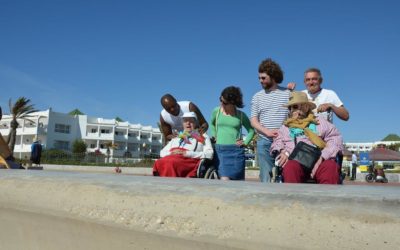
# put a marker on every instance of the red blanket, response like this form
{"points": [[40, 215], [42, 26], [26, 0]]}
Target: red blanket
{"points": [[176, 166]]}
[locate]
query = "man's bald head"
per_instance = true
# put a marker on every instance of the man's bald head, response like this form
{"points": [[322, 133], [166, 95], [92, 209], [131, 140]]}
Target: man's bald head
{"points": [[169, 103]]}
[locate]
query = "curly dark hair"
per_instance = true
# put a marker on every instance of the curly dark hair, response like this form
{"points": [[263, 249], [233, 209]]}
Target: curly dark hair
{"points": [[272, 69], [233, 95]]}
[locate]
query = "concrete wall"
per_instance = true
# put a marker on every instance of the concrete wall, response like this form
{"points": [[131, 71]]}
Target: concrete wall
{"points": [[69, 210]]}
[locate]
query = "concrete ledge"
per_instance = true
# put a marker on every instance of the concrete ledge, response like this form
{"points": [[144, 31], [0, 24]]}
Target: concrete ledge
{"points": [[99, 169], [69, 210]]}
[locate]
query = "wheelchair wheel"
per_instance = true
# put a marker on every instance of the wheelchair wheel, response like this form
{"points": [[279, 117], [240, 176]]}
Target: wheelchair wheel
{"points": [[369, 178], [211, 173]]}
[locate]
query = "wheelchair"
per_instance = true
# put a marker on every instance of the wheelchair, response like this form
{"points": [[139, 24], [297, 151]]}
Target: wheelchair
{"points": [[277, 176], [207, 170]]}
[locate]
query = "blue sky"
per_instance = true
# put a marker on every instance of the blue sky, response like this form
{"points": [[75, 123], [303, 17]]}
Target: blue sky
{"points": [[117, 58]]}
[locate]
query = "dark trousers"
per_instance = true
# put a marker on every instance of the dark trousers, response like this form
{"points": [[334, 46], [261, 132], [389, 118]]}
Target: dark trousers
{"points": [[354, 171]]}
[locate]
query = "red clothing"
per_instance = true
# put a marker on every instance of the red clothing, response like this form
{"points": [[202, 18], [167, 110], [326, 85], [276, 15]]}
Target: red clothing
{"points": [[176, 166], [327, 172]]}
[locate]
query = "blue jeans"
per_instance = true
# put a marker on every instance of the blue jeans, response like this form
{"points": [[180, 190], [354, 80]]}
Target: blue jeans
{"points": [[265, 160]]}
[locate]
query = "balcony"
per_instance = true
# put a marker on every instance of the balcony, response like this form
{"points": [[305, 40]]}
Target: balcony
{"points": [[22, 148], [106, 136], [92, 135], [121, 137], [29, 131]]}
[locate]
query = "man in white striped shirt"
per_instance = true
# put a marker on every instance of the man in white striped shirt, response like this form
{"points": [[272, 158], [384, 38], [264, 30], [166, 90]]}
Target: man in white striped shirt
{"points": [[268, 113]]}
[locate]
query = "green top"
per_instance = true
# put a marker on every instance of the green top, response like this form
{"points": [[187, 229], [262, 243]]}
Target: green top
{"points": [[229, 127]]}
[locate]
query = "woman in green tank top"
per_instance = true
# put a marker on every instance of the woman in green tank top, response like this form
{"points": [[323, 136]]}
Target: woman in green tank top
{"points": [[226, 127]]}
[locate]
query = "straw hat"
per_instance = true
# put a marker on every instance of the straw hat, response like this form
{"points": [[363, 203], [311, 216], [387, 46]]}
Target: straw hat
{"points": [[297, 97]]}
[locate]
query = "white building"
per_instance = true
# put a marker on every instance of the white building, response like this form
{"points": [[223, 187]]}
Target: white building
{"points": [[58, 131], [367, 146], [359, 146]]}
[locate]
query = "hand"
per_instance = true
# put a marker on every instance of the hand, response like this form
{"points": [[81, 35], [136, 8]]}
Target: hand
{"points": [[178, 152], [239, 142], [291, 86], [172, 136], [324, 107], [202, 129], [316, 166], [282, 158], [271, 132], [213, 140]]}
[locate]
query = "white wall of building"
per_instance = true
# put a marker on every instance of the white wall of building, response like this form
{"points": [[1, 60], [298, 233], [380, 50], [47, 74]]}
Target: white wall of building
{"points": [[59, 130]]}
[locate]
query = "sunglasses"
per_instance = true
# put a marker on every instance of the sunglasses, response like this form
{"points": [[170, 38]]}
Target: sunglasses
{"points": [[293, 107], [262, 77]]}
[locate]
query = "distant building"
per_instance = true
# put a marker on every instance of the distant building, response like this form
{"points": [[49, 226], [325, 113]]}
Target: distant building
{"points": [[368, 146], [58, 131], [359, 146]]}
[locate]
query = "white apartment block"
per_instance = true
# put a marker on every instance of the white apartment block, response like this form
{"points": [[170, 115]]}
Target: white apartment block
{"points": [[59, 131]]}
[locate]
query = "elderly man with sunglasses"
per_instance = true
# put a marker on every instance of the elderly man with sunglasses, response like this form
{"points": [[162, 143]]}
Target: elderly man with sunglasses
{"points": [[303, 125]]}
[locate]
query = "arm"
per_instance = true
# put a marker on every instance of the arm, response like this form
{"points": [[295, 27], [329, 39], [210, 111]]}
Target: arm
{"points": [[166, 150], [213, 131], [279, 145], [336, 105], [334, 142], [331, 135], [166, 130], [262, 130], [203, 125], [249, 128], [207, 151], [341, 112], [255, 111]]}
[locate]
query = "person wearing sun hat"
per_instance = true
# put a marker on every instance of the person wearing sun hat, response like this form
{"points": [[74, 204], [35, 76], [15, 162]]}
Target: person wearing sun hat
{"points": [[182, 155], [303, 125]]}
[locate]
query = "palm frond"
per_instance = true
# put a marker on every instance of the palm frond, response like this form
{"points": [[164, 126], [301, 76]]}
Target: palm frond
{"points": [[21, 107]]}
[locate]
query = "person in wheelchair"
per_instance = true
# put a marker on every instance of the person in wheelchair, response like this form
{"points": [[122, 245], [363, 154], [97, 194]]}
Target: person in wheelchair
{"points": [[182, 155], [302, 125]]}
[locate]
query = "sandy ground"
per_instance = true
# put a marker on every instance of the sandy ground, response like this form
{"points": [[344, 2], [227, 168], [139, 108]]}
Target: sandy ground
{"points": [[157, 213]]}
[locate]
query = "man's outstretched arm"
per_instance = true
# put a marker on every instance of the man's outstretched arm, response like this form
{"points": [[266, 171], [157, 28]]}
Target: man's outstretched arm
{"points": [[203, 125]]}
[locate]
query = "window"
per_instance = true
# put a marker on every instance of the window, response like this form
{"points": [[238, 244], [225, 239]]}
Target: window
{"points": [[133, 146], [94, 130], [133, 134], [144, 136], [62, 128], [63, 145], [105, 131], [92, 145]]}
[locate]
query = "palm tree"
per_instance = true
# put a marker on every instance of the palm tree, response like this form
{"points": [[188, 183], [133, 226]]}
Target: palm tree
{"points": [[20, 110]]}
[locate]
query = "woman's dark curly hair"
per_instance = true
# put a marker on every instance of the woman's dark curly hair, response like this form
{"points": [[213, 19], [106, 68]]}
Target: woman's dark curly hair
{"points": [[233, 95], [272, 69]]}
